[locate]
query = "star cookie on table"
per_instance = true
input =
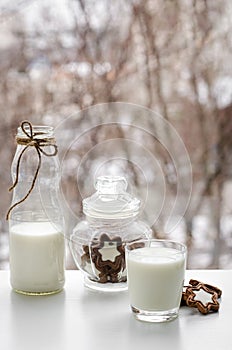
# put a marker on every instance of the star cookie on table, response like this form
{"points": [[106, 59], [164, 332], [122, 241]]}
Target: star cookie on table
{"points": [[202, 296]]}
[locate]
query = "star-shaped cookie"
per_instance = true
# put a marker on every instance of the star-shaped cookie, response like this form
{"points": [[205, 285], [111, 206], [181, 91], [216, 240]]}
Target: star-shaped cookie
{"points": [[202, 296]]}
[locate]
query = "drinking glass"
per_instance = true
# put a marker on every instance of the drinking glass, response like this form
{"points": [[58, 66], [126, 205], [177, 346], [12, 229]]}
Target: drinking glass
{"points": [[155, 273]]}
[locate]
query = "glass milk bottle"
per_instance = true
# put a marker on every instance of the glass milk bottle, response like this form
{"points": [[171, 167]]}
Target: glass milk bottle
{"points": [[36, 224], [98, 242]]}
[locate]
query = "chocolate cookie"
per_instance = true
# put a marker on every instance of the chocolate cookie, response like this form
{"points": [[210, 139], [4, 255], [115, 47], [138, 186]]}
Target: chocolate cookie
{"points": [[202, 296]]}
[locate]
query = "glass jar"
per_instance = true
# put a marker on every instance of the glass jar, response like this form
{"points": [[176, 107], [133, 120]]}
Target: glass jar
{"points": [[36, 222], [98, 243]]}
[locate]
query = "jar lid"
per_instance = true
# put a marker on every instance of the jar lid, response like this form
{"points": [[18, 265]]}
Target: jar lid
{"points": [[111, 201]]}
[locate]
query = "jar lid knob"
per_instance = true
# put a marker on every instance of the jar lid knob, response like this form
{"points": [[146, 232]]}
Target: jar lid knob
{"points": [[111, 184]]}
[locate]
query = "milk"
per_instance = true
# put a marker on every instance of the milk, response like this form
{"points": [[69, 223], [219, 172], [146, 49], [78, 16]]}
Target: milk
{"points": [[155, 278], [36, 257]]}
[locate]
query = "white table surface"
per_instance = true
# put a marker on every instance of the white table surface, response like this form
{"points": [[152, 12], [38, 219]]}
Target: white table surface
{"points": [[78, 318]]}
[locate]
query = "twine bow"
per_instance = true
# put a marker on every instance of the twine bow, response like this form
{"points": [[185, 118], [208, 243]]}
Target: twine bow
{"points": [[38, 143]]}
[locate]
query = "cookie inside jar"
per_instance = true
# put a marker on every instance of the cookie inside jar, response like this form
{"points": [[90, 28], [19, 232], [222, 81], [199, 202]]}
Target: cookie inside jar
{"points": [[98, 242]]}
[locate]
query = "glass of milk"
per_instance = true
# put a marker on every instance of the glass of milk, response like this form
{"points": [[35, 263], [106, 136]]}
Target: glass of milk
{"points": [[155, 273]]}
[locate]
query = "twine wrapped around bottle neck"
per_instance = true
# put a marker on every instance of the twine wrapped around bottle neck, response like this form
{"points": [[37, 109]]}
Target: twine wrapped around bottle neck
{"points": [[31, 140]]}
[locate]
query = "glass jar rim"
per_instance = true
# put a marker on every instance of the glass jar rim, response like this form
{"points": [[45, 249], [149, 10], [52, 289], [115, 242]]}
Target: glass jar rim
{"points": [[167, 243]]}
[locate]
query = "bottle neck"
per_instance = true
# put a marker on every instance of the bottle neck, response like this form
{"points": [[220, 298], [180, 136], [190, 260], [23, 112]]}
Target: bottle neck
{"points": [[37, 131], [28, 168]]}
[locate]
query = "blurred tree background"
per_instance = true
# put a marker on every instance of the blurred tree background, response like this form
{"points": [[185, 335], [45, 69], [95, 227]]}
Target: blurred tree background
{"points": [[58, 57]]}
